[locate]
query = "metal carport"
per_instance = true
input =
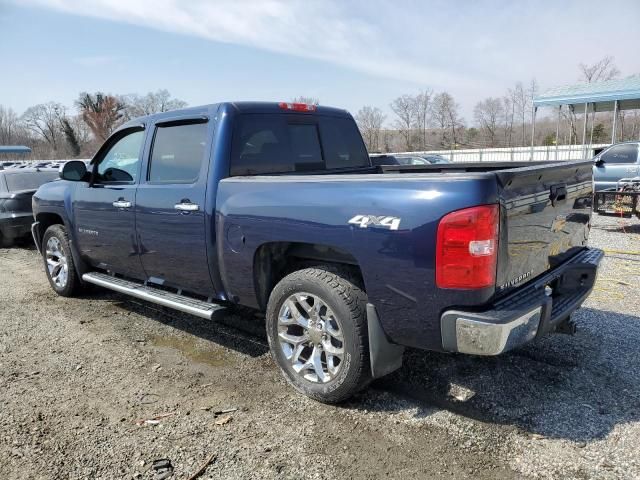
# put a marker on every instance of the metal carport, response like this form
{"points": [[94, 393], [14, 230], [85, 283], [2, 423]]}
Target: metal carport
{"points": [[610, 96]]}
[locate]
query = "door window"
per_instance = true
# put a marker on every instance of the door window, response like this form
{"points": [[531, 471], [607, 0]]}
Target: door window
{"points": [[178, 152], [626, 153], [121, 162]]}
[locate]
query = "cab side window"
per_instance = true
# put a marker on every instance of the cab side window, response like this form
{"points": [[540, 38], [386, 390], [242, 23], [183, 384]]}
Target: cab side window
{"points": [[178, 153], [626, 153], [121, 163]]}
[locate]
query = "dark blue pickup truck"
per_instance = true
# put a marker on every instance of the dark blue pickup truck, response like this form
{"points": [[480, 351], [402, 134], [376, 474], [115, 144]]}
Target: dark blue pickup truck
{"points": [[277, 207]]}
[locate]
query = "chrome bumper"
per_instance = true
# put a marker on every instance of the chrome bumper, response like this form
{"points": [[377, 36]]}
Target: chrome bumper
{"points": [[476, 335], [539, 307]]}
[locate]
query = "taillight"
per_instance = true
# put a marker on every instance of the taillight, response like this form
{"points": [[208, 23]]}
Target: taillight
{"points": [[467, 248], [297, 107]]}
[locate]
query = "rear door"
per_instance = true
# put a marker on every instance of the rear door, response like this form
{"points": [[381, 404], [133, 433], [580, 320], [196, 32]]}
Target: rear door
{"points": [[544, 221], [104, 211], [618, 161], [170, 214]]}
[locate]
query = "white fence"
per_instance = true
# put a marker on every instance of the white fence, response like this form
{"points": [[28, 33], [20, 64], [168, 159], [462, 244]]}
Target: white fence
{"points": [[517, 154]]}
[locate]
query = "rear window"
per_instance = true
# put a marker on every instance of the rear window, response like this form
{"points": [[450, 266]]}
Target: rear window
{"points": [[28, 180], [281, 143]]}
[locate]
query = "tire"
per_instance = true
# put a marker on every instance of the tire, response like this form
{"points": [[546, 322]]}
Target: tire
{"points": [[332, 363], [58, 262]]}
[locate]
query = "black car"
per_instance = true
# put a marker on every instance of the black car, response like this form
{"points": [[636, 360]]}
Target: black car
{"points": [[17, 186]]}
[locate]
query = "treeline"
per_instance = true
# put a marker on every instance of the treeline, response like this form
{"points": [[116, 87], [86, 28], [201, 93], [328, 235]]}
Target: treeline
{"points": [[432, 121], [426, 120], [54, 131]]}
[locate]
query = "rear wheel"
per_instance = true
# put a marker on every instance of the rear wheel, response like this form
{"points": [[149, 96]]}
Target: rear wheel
{"points": [[58, 261], [317, 331]]}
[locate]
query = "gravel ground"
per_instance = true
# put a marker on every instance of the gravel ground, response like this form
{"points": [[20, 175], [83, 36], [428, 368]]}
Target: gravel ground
{"points": [[102, 386]]}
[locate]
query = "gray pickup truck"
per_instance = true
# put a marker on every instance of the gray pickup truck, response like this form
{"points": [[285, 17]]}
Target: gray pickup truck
{"points": [[614, 163]]}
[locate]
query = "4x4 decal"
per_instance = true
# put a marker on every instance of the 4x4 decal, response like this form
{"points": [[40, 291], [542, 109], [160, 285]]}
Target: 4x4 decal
{"points": [[364, 221]]}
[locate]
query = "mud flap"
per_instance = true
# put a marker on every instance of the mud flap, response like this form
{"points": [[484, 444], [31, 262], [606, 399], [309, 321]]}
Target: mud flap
{"points": [[385, 356]]}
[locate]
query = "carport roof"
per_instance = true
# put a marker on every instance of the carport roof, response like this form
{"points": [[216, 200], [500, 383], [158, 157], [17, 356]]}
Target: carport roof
{"points": [[14, 149], [600, 96]]}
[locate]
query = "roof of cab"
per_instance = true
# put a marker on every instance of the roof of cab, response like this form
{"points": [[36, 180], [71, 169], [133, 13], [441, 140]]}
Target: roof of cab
{"points": [[243, 107]]}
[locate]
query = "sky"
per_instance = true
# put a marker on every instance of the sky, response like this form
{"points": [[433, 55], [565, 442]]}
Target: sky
{"points": [[346, 53]]}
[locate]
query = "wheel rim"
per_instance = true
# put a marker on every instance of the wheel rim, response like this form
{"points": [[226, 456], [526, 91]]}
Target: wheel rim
{"points": [[310, 337], [56, 263]]}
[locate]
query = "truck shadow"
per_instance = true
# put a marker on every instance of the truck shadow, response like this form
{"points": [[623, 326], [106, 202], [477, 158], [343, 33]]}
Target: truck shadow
{"points": [[577, 388], [619, 225], [236, 328]]}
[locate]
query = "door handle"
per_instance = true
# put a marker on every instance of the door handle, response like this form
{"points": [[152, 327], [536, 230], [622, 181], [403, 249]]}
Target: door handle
{"points": [[187, 207], [121, 204]]}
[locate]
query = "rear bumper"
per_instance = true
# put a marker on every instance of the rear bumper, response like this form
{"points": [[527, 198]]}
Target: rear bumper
{"points": [[533, 310]]}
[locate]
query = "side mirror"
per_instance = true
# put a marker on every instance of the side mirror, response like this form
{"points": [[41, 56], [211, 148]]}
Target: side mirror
{"points": [[74, 171], [599, 162]]}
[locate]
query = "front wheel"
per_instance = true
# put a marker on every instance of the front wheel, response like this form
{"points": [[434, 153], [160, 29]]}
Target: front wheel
{"points": [[58, 262], [317, 331]]}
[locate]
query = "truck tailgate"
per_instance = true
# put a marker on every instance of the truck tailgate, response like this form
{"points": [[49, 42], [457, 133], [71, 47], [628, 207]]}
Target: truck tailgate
{"points": [[545, 219]]}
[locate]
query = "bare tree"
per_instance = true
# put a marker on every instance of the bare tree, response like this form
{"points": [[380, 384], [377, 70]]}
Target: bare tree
{"points": [[404, 108], [520, 101], [446, 116], [508, 113], [488, 114], [152, 102], [307, 100], [370, 120], [9, 126], [102, 113], [603, 70], [44, 121], [422, 108]]}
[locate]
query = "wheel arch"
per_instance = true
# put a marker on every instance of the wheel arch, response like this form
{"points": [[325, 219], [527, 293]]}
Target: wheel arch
{"points": [[272, 261], [44, 221]]}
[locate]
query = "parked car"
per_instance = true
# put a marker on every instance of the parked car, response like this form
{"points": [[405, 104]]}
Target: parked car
{"points": [[405, 159], [614, 163], [16, 189], [436, 159], [277, 207]]}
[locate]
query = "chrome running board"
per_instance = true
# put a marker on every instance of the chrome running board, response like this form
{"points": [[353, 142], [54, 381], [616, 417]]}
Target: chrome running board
{"points": [[182, 303]]}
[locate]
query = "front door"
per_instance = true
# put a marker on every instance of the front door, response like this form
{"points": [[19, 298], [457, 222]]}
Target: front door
{"points": [[104, 210], [170, 213]]}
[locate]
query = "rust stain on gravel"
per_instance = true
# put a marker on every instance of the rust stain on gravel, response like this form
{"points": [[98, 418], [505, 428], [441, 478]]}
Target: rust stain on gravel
{"points": [[215, 357]]}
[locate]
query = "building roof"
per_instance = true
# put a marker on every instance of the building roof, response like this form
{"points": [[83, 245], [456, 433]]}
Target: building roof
{"points": [[14, 149], [599, 95]]}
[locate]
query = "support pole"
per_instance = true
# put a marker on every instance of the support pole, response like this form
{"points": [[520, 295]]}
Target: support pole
{"points": [[615, 119], [533, 128], [584, 132], [558, 130], [593, 121]]}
